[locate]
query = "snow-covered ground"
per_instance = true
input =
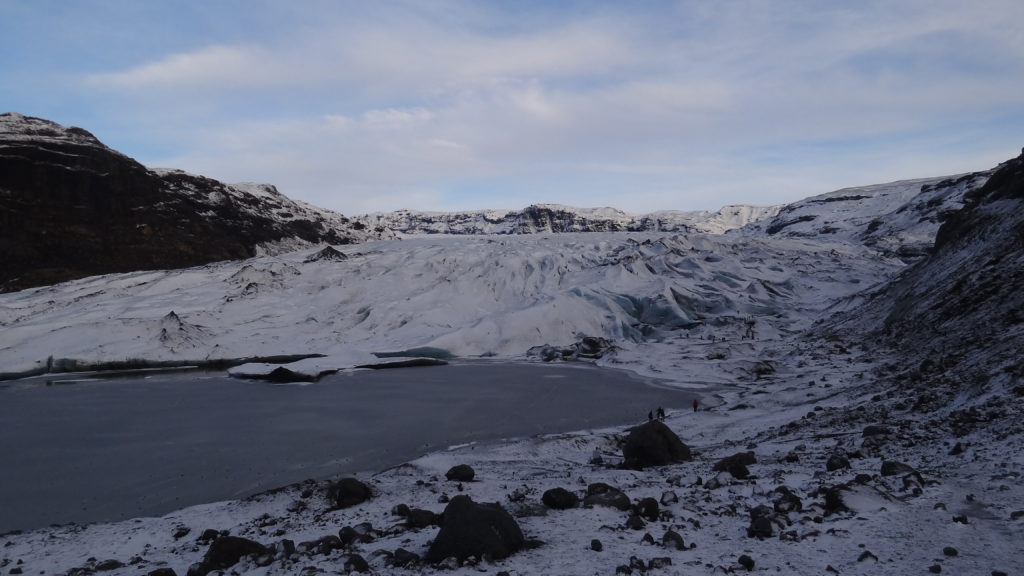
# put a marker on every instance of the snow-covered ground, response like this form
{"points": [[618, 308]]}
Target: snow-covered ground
{"points": [[722, 314]]}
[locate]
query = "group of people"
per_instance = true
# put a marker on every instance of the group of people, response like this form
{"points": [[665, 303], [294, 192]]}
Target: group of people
{"points": [[660, 412]]}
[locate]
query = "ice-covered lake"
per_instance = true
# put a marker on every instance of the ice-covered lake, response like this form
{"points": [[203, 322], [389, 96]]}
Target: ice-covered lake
{"points": [[88, 450]]}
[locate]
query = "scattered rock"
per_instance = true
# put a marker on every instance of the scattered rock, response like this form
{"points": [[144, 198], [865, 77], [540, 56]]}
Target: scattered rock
{"points": [[601, 494], [596, 545], [328, 254], [894, 468], [658, 563], [673, 540], [867, 555], [785, 501], [403, 558], [162, 572], [560, 499], [950, 551], [837, 462], [736, 465], [653, 444], [747, 562], [935, 569], [669, 497], [180, 532], [635, 522], [876, 430], [225, 552], [356, 563], [957, 449], [348, 492], [461, 473], [472, 529], [419, 519], [648, 509]]}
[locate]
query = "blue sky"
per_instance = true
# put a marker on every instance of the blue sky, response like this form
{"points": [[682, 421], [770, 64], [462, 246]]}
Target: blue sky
{"points": [[439, 105]]}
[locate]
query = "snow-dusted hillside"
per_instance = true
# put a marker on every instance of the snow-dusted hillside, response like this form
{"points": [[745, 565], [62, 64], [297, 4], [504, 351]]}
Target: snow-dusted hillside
{"points": [[73, 207], [472, 296], [898, 218], [541, 218]]}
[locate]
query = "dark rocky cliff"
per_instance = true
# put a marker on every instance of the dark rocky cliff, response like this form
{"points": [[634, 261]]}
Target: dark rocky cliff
{"points": [[72, 207]]}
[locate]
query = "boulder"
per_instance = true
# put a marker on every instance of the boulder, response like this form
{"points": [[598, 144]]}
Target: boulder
{"points": [[348, 492], [648, 509], [560, 499], [417, 518], [837, 462], [653, 444], [601, 494], [461, 473], [472, 529], [225, 552], [673, 541]]}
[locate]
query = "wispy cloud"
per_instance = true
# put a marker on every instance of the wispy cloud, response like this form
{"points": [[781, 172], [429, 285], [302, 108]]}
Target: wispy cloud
{"points": [[652, 105]]}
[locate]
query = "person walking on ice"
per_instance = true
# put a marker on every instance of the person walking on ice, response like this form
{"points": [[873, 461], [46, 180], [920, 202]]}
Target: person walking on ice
{"points": [[696, 404]]}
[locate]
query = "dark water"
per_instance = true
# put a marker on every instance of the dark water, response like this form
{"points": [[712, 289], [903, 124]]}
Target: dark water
{"points": [[104, 450]]}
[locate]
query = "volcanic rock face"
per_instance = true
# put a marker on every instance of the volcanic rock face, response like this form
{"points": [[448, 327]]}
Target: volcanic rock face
{"points": [[72, 207], [554, 218]]}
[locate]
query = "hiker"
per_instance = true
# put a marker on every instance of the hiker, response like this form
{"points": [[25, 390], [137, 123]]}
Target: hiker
{"points": [[650, 416], [661, 413], [696, 404]]}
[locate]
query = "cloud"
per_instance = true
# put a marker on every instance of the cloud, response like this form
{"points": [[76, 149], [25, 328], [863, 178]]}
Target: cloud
{"points": [[421, 102]]}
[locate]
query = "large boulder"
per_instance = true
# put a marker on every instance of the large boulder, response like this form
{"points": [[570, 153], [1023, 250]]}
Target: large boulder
{"points": [[348, 492], [473, 529], [560, 499], [736, 464], [601, 494], [653, 444], [461, 473], [225, 552]]}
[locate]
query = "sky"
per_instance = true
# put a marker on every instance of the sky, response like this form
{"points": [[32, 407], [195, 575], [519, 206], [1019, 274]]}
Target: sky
{"points": [[449, 105]]}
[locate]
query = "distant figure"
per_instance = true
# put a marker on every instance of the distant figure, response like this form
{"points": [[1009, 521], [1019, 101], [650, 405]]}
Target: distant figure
{"points": [[661, 413], [696, 404], [650, 415]]}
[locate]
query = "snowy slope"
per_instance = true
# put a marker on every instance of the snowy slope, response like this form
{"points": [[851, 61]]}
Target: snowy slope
{"points": [[898, 218], [472, 296], [541, 218]]}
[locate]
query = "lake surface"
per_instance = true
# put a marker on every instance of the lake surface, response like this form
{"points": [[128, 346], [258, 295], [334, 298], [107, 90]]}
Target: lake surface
{"points": [[92, 450]]}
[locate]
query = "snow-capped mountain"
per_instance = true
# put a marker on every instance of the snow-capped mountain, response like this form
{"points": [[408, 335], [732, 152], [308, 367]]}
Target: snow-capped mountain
{"points": [[541, 218], [74, 207], [898, 218]]}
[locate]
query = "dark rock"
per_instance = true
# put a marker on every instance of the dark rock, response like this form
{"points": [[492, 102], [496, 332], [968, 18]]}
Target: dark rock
{"points": [[637, 564], [162, 572], [418, 519], [673, 541], [180, 532], [950, 551], [356, 563], [957, 449], [328, 254], [326, 545], [653, 444], [596, 545], [108, 565], [635, 522], [282, 375], [225, 552], [472, 529], [648, 509], [736, 465], [837, 462], [403, 557], [560, 499], [935, 569], [647, 539], [893, 468], [867, 555], [461, 473], [208, 535], [834, 499], [876, 430], [348, 492], [785, 501], [601, 494], [623, 569], [760, 527], [669, 497], [747, 562], [400, 510], [659, 562], [348, 535]]}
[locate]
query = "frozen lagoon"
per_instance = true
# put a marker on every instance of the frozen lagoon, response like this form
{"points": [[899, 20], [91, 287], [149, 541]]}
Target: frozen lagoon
{"points": [[97, 450]]}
